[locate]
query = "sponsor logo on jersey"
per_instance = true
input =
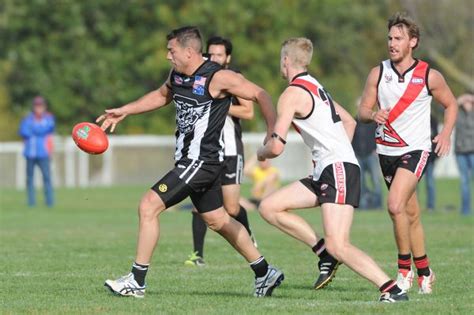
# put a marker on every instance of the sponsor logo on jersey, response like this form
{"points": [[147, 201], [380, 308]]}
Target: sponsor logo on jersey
{"points": [[178, 79], [188, 112], [386, 135], [232, 175], [406, 157], [388, 77], [324, 186], [163, 188], [417, 80], [388, 179], [199, 85]]}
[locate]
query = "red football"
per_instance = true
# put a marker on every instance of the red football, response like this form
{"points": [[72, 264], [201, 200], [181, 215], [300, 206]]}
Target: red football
{"points": [[90, 138]]}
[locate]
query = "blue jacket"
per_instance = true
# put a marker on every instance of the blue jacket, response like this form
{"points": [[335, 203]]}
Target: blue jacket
{"points": [[38, 135]]}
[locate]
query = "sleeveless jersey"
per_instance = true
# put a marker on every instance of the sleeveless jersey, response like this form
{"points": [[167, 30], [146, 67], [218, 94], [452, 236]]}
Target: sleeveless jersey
{"points": [[199, 117], [408, 97], [322, 129], [233, 134]]}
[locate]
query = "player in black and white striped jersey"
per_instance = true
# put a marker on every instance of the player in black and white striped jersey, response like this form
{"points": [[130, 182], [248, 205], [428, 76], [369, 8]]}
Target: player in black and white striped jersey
{"points": [[201, 91], [219, 50]]}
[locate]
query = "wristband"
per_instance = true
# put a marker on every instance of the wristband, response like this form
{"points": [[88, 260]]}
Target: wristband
{"points": [[274, 135]]}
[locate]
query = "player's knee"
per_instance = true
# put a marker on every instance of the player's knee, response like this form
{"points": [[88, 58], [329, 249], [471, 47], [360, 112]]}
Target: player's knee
{"points": [[216, 220], [335, 247], [149, 209], [232, 209], [413, 217], [266, 210], [394, 207], [217, 224]]}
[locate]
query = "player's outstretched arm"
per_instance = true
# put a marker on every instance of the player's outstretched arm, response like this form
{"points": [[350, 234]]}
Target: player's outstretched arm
{"points": [[227, 81], [286, 111], [146, 103], [442, 94]]}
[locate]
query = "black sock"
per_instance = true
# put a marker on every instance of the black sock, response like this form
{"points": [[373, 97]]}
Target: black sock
{"points": [[139, 273], [242, 218], [404, 261], [390, 286], [199, 231], [260, 267], [320, 249]]}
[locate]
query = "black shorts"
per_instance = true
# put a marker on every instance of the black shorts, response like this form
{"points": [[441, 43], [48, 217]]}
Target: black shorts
{"points": [[339, 183], [414, 161], [197, 179], [233, 168]]}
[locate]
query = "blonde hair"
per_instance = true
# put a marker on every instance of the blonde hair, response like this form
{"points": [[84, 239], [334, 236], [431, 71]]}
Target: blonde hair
{"points": [[299, 50]]}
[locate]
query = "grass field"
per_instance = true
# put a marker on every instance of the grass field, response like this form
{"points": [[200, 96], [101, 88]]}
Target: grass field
{"points": [[56, 260]]}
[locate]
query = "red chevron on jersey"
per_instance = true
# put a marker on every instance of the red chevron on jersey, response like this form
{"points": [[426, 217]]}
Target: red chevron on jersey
{"points": [[417, 83], [313, 88], [386, 135]]}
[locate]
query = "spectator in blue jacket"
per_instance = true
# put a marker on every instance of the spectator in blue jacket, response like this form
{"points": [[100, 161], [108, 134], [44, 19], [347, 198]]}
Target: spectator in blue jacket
{"points": [[37, 130]]}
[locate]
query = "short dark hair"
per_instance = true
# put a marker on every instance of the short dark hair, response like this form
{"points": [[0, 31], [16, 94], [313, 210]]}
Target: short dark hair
{"points": [[187, 36], [217, 40], [402, 18]]}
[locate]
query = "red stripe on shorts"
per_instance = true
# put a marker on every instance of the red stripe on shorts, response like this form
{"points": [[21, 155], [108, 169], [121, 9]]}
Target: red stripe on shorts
{"points": [[340, 178]]}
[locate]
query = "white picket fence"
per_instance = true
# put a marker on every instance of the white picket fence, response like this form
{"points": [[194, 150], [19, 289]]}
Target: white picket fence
{"points": [[143, 159]]}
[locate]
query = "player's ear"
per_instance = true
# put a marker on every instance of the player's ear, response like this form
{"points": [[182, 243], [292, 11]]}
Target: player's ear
{"points": [[413, 42], [227, 60]]}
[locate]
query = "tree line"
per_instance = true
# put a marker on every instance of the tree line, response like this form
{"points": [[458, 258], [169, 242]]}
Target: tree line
{"points": [[85, 56]]}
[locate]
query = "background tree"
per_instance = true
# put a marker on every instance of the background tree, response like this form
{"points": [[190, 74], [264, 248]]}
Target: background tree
{"points": [[85, 56]]}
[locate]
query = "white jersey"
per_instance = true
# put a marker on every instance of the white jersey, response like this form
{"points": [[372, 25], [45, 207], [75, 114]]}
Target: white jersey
{"points": [[408, 98], [322, 130], [232, 137]]}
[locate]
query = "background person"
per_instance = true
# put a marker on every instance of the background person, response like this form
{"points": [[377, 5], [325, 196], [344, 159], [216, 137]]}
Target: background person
{"points": [[464, 149], [429, 178], [219, 50], [364, 147], [265, 180], [37, 130]]}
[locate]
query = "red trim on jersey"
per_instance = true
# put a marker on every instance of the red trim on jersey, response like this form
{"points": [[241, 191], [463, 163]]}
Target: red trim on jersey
{"points": [[298, 130], [313, 88], [422, 164], [389, 137], [417, 83], [340, 178]]}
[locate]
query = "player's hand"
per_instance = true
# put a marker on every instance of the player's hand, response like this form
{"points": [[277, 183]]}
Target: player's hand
{"points": [[111, 118], [381, 116], [443, 144], [260, 155]]}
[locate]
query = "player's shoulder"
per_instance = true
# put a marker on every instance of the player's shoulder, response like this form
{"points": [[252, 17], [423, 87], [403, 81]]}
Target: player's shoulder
{"points": [[235, 69]]}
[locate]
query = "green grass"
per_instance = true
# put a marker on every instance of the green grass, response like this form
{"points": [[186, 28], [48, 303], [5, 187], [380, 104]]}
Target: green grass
{"points": [[56, 260]]}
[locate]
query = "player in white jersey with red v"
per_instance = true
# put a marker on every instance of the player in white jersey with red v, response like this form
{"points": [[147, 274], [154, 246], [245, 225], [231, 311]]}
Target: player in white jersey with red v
{"points": [[327, 129], [403, 88]]}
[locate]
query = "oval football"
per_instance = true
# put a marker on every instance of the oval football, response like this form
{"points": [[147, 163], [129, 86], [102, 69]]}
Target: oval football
{"points": [[90, 138]]}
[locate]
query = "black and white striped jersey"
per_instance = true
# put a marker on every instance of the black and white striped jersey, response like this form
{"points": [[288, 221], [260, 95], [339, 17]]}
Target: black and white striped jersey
{"points": [[233, 134], [199, 117]]}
